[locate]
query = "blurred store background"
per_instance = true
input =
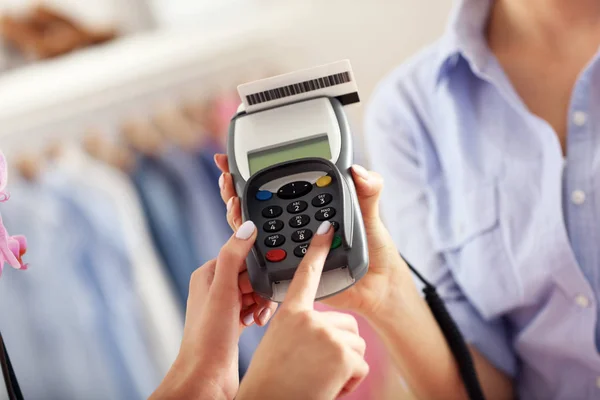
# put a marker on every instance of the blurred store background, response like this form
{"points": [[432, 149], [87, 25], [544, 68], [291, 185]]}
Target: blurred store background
{"points": [[110, 112]]}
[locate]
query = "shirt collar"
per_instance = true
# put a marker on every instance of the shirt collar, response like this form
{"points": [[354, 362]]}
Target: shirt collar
{"points": [[464, 37]]}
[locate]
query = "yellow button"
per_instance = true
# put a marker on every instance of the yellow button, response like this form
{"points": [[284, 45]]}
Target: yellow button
{"points": [[324, 181]]}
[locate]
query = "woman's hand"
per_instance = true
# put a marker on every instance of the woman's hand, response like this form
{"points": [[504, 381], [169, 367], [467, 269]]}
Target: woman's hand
{"points": [[220, 305], [387, 270], [307, 354]]}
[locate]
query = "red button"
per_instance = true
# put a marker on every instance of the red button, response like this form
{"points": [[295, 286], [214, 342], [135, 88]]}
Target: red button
{"points": [[276, 255]]}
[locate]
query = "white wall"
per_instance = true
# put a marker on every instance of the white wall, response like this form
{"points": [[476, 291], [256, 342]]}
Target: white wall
{"points": [[376, 35]]}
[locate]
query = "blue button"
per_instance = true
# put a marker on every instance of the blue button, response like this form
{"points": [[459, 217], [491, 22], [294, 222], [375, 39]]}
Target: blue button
{"points": [[263, 195]]}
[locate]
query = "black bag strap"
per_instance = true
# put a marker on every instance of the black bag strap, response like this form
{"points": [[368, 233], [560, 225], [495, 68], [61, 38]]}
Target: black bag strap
{"points": [[10, 379]]}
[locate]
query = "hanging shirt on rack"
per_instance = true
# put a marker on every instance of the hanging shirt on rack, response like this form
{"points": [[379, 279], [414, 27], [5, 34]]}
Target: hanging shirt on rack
{"points": [[202, 203], [161, 313], [53, 320], [162, 198]]}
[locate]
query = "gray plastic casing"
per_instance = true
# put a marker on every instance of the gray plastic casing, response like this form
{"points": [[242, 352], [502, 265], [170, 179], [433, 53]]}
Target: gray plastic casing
{"points": [[267, 278]]}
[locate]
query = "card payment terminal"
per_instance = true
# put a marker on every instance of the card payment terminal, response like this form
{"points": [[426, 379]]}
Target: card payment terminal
{"points": [[290, 152]]}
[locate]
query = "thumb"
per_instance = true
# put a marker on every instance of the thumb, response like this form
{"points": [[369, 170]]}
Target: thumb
{"points": [[368, 189]]}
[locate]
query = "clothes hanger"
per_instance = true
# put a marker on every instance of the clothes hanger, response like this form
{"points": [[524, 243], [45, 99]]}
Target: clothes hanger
{"points": [[143, 137], [30, 165], [176, 128], [97, 145]]}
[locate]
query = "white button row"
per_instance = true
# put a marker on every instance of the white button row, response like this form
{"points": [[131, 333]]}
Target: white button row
{"points": [[578, 197], [579, 118]]}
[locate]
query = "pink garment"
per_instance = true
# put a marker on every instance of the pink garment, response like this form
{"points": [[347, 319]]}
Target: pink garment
{"points": [[12, 248], [375, 356]]}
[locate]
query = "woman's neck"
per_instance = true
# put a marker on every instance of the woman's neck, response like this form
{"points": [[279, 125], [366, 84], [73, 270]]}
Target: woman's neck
{"points": [[548, 23]]}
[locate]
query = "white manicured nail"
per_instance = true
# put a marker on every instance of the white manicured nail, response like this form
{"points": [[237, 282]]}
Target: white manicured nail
{"points": [[324, 228], [248, 319], [246, 230], [264, 315], [221, 181], [229, 203]]}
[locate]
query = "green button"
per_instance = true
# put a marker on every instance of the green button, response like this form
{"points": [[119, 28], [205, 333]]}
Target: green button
{"points": [[337, 242]]}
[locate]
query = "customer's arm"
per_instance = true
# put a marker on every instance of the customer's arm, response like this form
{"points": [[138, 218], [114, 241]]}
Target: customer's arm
{"points": [[395, 138]]}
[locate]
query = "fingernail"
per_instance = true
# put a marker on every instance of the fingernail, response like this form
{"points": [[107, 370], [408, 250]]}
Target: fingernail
{"points": [[230, 203], [221, 181], [264, 315], [360, 171], [248, 319], [245, 231], [323, 228], [215, 159]]}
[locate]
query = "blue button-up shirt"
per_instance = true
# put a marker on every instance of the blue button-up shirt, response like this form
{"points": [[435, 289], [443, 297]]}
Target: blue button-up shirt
{"points": [[479, 197]]}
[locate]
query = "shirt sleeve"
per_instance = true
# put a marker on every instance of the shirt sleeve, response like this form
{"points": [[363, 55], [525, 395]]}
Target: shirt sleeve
{"points": [[395, 134]]}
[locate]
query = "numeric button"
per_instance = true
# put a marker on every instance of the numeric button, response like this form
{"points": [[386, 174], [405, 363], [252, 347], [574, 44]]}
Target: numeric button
{"points": [[322, 199], [272, 212], [302, 235], [274, 240], [273, 226], [336, 225], [325, 213], [299, 221], [297, 207], [300, 251]]}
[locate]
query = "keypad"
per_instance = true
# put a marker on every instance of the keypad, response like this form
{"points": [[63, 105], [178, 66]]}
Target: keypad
{"points": [[322, 199], [325, 213], [302, 235], [273, 226], [300, 251], [299, 221], [290, 216], [272, 212], [297, 207], [275, 240], [294, 190]]}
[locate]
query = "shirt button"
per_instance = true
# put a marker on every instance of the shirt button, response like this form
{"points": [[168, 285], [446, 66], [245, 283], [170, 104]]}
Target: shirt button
{"points": [[578, 197], [579, 118], [582, 301]]}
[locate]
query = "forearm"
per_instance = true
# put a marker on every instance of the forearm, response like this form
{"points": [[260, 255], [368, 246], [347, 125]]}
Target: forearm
{"points": [[180, 384], [419, 349]]}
